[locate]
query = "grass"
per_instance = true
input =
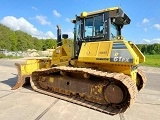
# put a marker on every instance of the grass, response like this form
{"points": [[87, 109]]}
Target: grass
{"points": [[152, 60]]}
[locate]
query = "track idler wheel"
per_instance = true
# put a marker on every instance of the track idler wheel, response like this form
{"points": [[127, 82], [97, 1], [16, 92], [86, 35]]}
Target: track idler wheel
{"points": [[115, 94]]}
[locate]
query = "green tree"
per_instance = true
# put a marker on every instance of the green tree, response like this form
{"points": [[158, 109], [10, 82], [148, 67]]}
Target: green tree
{"points": [[153, 52], [48, 44], [38, 43], [14, 41]]}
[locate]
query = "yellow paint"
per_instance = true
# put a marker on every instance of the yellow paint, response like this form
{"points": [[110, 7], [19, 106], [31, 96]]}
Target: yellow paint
{"points": [[100, 52], [51, 80], [137, 51], [116, 54], [95, 50], [96, 89], [101, 11], [83, 14], [99, 89], [34, 64], [62, 53], [134, 75]]}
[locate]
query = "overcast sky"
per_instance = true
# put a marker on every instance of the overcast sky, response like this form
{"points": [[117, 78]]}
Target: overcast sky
{"points": [[40, 17]]}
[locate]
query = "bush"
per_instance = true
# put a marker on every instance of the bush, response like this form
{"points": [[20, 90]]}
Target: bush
{"points": [[9, 56], [153, 52], [2, 56]]}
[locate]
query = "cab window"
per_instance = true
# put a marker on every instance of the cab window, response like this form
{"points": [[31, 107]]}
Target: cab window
{"points": [[113, 31], [94, 26]]}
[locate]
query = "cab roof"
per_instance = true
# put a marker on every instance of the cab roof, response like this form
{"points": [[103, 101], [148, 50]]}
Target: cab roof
{"points": [[103, 10]]}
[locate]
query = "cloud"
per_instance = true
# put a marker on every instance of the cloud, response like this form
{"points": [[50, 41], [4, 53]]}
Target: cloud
{"points": [[56, 14], [67, 20], [23, 25], [145, 21], [34, 8], [157, 26], [146, 41], [43, 20], [145, 29], [151, 41], [48, 34]]}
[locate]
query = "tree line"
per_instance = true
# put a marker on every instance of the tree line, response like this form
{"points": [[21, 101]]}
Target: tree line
{"points": [[149, 48], [20, 41]]}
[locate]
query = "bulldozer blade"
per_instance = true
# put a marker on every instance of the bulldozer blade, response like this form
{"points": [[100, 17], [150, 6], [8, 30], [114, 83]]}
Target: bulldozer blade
{"points": [[22, 79], [25, 70]]}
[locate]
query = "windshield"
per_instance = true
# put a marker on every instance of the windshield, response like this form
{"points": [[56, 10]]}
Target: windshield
{"points": [[94, 26]]}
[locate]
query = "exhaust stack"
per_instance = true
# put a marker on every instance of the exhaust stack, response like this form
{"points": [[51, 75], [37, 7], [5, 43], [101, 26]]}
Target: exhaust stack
{"points": [[59, 39]]}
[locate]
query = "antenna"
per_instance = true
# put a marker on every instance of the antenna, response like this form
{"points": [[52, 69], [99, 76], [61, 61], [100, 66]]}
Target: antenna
{"points": [[120, 3]]}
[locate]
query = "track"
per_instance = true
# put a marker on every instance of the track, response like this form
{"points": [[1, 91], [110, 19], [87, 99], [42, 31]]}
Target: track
{"points": [[141, 79], [107, 108]]}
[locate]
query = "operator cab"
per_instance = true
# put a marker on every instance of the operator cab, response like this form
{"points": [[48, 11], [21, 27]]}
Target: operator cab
{"points": [[101, 25]]}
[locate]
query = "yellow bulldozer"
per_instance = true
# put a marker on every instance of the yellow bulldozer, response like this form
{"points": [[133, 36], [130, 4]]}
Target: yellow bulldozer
{"points": [[98, 69]]}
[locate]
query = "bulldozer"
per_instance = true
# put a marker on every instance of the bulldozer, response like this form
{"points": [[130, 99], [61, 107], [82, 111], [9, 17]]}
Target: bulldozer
{"points": [[98, 69]]}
